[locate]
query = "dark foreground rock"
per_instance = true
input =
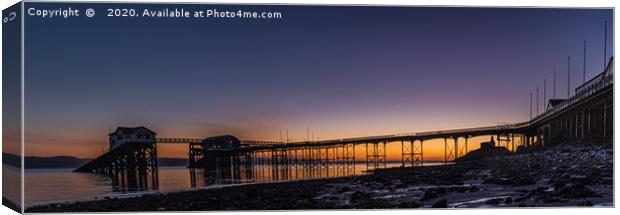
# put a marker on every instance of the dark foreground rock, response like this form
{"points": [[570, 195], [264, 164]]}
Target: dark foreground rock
{"points": [[551, 178], [440, 204], [12, 205], [484, 153]]}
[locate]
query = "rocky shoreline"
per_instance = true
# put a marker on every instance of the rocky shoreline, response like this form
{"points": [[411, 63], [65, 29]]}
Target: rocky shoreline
{"points": [[10, 204], [557, 177]]}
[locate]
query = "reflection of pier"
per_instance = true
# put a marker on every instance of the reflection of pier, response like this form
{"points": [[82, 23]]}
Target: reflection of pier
{"points": [[234, 170], [585, 118]]}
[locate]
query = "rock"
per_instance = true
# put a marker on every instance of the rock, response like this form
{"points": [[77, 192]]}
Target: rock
{"points": [[433, 193], [413, 204], [360, 198], [252, 193], [484, 152], [495, 201], [440, 204], [520, 199], [576, 191], [547, 200], [585, 203]]}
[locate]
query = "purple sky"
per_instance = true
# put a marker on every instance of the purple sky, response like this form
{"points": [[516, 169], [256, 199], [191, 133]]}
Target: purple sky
{"points": [[342, 71]]}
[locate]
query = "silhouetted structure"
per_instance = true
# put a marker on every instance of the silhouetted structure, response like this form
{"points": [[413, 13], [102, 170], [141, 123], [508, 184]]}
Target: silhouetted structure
{"points": [[130, 160], [584, 118]]}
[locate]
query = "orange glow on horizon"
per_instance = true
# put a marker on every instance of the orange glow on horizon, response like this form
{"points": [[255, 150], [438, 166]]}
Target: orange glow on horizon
{"points": [[433, 149], [92, 143]]}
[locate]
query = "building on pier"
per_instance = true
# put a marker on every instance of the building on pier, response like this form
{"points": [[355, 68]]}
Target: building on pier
{"points": [[131, 159], [221, 143], [553, 103], [123, 135]]}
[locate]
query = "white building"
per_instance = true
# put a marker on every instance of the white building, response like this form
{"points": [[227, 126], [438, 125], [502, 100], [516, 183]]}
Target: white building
{"points": [[124, 135]]}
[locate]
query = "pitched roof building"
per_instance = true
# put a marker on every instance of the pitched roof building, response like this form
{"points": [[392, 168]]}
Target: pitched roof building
{"points": [[124, 135], [554, 103]]}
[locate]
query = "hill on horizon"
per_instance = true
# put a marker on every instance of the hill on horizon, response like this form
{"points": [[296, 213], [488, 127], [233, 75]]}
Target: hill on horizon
{"points": [[35, 162]]}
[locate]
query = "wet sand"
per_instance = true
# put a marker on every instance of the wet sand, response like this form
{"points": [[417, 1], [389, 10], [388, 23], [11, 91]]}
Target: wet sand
{"points": [[557, 177]]}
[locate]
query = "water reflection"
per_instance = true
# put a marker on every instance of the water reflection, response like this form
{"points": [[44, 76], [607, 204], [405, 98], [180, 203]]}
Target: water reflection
{"points": [[131, 181], [45, 186], [248, 173], [238, 170]]}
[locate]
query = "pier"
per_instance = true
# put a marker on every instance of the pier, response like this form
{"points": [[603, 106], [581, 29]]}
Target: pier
{"points": [[584, 118]]}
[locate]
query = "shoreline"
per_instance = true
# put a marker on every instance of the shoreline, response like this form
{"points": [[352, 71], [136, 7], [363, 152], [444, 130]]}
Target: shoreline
{"points": [[560, 176], [168, 188], [11, 204]]}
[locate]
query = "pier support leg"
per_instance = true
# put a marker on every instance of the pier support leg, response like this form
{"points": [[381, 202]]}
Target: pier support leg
{"points": [[589, 132], [421, 152], [384, 155], [367, 163], [408, 152], [402, 149], [445, 150], [605, 120], [456, 148]]}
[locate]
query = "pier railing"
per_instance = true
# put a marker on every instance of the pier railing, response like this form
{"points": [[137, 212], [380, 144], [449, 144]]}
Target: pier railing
{"points": [[593, 86], [585, 91]]}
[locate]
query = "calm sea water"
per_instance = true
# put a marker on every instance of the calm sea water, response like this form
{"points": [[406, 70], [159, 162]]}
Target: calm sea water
{"points": [[11, 184], [45, 186]]}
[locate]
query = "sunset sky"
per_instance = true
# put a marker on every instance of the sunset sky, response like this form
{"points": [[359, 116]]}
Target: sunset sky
{"points": [[342, 71]]}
